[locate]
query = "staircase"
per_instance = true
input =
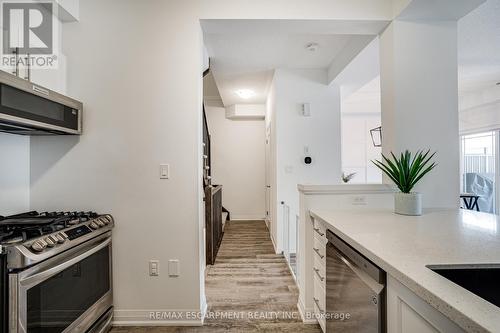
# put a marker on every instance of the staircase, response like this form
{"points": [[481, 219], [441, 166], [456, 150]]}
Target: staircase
{"points": [[215, 214], [224, 220]]}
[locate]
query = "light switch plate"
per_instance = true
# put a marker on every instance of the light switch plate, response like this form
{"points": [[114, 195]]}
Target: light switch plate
{"points": [[174, 268], [154, 268], [164, 171]]}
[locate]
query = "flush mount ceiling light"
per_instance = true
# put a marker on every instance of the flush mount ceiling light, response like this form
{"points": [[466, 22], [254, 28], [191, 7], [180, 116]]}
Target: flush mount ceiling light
{"points": [[245, 93], [312, 47]]}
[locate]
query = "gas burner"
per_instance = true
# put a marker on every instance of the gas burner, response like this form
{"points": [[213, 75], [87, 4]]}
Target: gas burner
{"points": [[23, 227]]}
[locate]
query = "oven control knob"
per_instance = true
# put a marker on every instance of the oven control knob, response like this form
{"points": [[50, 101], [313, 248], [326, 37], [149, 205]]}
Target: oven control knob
{"points": [[104, 220], [94, 225], [50, 242], [99, 223], [38, 246], [60, 238]]}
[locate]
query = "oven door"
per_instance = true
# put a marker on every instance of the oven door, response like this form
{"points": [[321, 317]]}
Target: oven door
{"points": [[67, 293]]}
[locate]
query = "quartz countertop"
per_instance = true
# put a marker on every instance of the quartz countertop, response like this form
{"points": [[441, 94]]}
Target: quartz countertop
{"points": [[404, 245]]}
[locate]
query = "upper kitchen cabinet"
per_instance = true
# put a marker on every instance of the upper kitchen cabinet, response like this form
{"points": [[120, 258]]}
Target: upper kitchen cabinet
{"points": [[64, 11], [47, 70], [68, 10]]}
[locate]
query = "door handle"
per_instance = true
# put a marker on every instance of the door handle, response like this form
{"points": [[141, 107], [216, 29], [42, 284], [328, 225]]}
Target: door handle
{"points": [[317, 252], [319, 275], [319, 232], [317, 304], [42, 276]]}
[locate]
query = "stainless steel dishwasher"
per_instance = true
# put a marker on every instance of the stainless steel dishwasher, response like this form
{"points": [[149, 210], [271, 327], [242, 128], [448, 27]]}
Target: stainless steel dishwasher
{"points": [[355, 290]]}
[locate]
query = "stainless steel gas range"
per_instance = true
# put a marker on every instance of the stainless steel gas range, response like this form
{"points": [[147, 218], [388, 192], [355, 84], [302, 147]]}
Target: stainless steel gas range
{"points": [[56, 273]]}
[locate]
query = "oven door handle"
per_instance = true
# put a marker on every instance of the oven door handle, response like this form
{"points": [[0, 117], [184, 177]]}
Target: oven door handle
{"points": [[68, 262]]}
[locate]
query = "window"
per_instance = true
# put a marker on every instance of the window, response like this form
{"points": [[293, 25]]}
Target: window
{"points": [[478, 159]]}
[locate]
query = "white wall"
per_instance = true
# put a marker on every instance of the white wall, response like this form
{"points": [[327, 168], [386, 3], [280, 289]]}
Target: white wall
{"points": [[357, 147], [271, 174], [135, 118], [15, 149], [136, 65], [420, 101], [14, 174], [320, 133], [361, 112], [238, 148]]}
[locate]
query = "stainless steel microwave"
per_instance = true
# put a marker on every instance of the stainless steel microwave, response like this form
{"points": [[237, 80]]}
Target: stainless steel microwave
{"points": [[29, 109]]}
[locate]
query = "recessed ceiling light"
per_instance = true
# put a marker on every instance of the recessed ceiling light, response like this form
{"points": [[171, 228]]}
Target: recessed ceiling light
{"points": [[245, 93], [313, 47], [498, 83]]}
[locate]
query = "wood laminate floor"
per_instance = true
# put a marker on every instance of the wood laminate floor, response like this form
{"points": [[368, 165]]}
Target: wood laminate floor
{"points": [[249, 281]]}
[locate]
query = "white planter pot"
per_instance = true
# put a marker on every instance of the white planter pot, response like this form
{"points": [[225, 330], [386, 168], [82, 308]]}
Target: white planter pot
{"points": [[408, 203]]}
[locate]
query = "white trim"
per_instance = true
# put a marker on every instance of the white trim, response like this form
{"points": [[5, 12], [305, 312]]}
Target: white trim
{"points": [[291, 272], [346, 189], [477, 130], [274, 245], [142, 317], [204, 309], [236, 217], [311, 320]]}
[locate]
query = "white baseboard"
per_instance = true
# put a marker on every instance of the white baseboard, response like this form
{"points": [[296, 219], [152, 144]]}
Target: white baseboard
{"points": [[310, 320], [238, 217], [276, 250], [159, 317]]}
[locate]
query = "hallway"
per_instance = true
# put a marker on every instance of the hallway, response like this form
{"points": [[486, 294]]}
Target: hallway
{"points": [[249, 282]]}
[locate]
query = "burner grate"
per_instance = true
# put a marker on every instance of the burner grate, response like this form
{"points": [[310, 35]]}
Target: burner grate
{"points": [[25, 226]]}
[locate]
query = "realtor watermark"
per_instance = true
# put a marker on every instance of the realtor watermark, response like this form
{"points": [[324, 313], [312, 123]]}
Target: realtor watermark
{"points": [[245, 315], [29, 36]]}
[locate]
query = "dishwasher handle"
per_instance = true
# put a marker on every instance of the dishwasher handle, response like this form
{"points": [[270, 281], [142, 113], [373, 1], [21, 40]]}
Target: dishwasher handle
{"points": [[356, 259], [376, 288]]}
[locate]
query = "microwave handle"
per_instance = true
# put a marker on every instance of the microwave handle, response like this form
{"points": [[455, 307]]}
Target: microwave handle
{"points": [[16, 70], [44, 275]]}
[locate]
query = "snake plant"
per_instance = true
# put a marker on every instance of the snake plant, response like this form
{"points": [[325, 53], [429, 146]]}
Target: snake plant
{"points": [[406, 170]]}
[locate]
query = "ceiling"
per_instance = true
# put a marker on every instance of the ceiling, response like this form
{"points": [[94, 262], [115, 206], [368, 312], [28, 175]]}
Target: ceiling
{"points": [[479, 48], [365, 100], [244, 53]]}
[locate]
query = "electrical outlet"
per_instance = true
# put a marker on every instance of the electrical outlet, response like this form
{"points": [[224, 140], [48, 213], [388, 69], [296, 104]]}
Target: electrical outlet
{"points": [[154, 268], [359, 201]]}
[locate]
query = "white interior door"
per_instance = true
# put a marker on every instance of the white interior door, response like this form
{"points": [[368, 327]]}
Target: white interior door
{"points": [[268, 175]]}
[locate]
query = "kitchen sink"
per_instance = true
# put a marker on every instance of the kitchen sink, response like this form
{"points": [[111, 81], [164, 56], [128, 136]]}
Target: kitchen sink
{"points": [[482, 280]]}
